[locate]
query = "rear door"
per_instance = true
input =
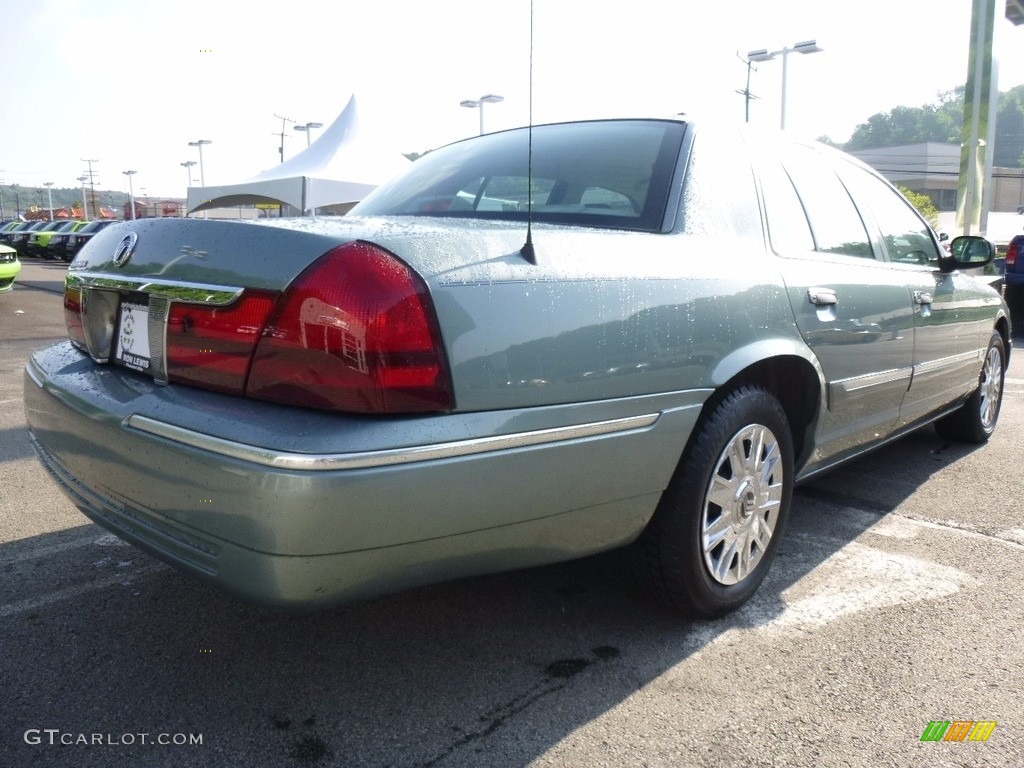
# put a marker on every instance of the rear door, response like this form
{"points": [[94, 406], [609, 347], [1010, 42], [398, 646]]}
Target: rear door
{"points": [[852, 309], [947, 357]]}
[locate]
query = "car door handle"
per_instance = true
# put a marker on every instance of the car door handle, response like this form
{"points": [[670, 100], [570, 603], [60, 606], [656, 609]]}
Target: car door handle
{"points": [[922, 297], [822, 296]]}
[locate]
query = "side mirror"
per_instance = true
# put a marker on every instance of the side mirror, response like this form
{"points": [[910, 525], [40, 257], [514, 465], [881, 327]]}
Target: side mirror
{"points": [[968, 252]]}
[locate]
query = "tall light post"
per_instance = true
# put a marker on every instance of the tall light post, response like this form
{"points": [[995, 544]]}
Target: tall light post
{"points": [[307, 128], [490, 98], [199, 143], [807, 46], [49, 196], [131, 190], [188, 169], [85, 203]]}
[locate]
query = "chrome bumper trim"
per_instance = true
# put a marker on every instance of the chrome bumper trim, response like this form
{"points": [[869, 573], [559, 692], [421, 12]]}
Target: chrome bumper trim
{"points": [[364, 460]]}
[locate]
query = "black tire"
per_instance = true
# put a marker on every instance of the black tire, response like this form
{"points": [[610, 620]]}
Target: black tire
{"points": [[975, 420], [1014, 295], [671, 556]]}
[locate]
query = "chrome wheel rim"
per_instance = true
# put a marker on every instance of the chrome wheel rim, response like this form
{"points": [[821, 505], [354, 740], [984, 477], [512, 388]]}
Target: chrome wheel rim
{"points": [[991, 388], [741, 504]]}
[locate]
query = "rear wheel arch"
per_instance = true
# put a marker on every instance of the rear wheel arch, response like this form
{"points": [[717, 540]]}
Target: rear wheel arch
{"points": [[795, 383]]}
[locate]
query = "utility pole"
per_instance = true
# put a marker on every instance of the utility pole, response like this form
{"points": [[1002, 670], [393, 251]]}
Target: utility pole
{"points": [[92, 186], [282, 133], [745, 93]]}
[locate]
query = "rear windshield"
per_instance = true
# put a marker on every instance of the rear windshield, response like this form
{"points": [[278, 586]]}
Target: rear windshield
{"points": [[599, 174]]}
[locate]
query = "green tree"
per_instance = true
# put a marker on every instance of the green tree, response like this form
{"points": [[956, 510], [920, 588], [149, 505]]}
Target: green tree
{"points": [[1009, 145], [924, 205], [912, 125], [941, 122]]}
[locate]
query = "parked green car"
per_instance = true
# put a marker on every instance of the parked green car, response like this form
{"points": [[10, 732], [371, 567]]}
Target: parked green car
{"points": [[9, 267], [39, 241], [534, 345]]}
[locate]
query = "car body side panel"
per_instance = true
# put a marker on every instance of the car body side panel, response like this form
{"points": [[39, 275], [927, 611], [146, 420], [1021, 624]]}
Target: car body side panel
{"points": [[949, 341], [636, 319], [864, 343]]}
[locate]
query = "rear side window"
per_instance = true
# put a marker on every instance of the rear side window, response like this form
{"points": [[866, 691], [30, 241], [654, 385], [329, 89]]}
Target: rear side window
{"points": [[907, 237], [613, 173], [835, 222]]}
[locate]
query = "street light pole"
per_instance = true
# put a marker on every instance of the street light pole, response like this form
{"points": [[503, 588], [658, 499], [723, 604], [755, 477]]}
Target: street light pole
{"points": [[85, 203], [199, 143], [490, 98], [188, 169], [307, 128], [202, 174], [807, 46], [49, 196], [131, 190]]}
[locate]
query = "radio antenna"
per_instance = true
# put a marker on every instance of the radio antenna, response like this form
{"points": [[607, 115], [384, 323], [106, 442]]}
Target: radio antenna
{"points": [[527, 251]]}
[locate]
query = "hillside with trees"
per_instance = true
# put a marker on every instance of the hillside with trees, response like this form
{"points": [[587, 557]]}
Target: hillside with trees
{"points": [[941, 122]]}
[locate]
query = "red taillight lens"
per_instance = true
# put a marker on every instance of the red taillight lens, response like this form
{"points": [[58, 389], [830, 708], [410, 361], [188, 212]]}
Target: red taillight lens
{"points": [[212, 347], [354, 332], [73, 315], [1012, 250]]}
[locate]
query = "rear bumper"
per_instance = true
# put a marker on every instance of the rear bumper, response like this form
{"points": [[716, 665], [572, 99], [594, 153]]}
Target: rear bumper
{"points": [[288, 507], [1013, 278]]}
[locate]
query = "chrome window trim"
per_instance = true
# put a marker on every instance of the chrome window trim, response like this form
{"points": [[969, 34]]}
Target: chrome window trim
{"points": [[285, 460]]}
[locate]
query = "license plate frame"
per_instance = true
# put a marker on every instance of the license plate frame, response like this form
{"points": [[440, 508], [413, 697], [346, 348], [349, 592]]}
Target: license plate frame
{"points": [[131, 341]]}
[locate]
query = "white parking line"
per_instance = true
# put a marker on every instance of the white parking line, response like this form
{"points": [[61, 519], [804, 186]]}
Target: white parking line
{"points": [[74, 591], [37, 553]]}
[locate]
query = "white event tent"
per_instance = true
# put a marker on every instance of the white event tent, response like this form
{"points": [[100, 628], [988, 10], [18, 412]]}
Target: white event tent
{"points": [[341, 166]]}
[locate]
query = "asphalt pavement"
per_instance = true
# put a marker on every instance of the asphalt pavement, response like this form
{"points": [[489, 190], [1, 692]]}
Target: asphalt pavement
{"points": [[895, 603]]}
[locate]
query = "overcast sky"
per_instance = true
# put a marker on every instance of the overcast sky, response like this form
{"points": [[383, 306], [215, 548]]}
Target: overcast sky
{"points": [[130, 83]]}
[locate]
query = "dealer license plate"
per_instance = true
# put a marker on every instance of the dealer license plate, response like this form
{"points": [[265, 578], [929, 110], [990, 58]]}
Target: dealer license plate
{"points": [[132, 349]]}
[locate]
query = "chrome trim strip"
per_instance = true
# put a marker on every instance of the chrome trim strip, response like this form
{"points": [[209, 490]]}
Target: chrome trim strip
{"points": [[363, 460], [949, 362], [857, 383], [173, 290], [159, 310]]}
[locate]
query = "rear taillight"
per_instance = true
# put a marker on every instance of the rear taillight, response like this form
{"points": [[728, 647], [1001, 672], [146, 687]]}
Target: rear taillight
{"points": [[212, 347], [354, 332], [1012, 250]]}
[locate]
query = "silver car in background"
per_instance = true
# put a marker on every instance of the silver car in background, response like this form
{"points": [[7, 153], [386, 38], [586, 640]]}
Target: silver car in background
{"points": [[533, 346]]}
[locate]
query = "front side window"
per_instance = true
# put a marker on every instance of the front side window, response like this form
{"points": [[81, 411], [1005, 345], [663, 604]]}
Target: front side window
{"points": [[908, 239], [835, 222], [614, 173]]}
